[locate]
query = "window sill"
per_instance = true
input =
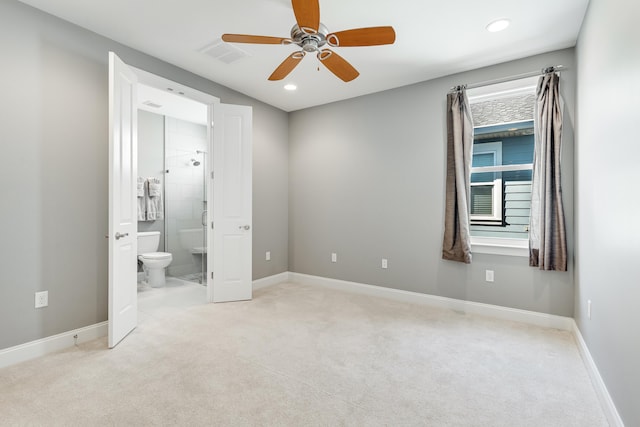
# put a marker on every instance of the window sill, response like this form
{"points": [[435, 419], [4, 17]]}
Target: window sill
{"points": [[500, 246]]}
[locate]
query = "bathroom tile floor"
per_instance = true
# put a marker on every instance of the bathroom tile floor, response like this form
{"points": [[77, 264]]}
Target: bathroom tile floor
{"points": [[192, 277], [176, 294]]}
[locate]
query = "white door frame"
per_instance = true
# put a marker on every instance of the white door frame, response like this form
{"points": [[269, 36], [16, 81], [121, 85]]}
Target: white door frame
{"points": [[153, 80]]}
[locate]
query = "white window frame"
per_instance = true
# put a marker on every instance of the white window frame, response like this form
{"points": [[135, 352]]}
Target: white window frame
{"points": [[496, 149], [501, 245]]}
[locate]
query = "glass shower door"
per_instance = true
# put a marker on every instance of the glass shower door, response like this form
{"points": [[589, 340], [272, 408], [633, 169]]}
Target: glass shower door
{"points": [[186, 202]]}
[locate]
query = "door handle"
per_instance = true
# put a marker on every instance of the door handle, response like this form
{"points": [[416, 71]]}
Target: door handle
{"points": [[244, 227], [203, 218], [120, 236]]}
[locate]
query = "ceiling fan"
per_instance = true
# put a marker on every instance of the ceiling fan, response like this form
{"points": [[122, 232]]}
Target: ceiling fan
{"points": [[311, 35]]}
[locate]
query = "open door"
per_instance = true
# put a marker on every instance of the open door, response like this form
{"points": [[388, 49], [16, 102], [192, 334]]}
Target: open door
{"points": [[123, 171], [231, 214]]}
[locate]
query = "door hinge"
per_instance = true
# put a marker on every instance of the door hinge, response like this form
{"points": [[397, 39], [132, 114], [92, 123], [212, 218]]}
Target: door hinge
{"points": [[212, 275], [211, 174], [212, 225]]}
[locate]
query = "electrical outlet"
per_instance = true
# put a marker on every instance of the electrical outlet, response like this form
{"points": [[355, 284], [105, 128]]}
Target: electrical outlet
{"points": [[385, 264], [589, 309], [488, 275], [267, 256], [42, 299], [334, 257]]}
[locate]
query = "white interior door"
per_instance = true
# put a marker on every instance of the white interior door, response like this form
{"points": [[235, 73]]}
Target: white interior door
{"points": [[232, 210], [123, 169]]}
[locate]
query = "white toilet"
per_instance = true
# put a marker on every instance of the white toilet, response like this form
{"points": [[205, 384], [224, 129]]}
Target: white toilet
{"points": [[154, 262]]}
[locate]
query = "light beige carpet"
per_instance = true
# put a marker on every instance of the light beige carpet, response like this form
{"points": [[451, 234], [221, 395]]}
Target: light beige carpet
{"points": [[304, 356]]}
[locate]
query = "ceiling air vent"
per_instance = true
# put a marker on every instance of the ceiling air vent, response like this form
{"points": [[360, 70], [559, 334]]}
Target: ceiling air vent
{"points": [[152, 104], [224, 52]]}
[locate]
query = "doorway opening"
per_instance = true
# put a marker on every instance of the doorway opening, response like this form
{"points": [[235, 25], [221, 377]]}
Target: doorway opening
{"points": [[173, 151], [228, 153]]}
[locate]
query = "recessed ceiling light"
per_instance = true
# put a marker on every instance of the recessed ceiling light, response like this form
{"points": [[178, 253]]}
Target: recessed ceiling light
{"points": [[290, 86], [498, 25]]}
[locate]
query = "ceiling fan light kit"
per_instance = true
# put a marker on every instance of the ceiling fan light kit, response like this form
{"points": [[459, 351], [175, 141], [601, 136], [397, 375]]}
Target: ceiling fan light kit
{"points": [[311, 36]]}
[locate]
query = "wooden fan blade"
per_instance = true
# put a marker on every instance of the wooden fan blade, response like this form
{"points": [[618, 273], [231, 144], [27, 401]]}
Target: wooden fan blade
{"points": [[307, 14], [372, 36], [244, 38], [287, 66], [337, 65]]}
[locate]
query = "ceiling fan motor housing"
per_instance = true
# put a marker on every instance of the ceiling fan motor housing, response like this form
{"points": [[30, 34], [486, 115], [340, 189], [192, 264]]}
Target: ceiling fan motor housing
{"points": [[308, 39]]}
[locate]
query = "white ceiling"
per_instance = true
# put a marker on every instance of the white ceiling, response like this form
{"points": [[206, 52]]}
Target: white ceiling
{"points": [[167, 104], [434, 38]]}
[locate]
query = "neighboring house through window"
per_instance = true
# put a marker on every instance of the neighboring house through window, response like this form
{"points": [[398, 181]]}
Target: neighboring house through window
{"points": [[486, 187], [502, 165]]}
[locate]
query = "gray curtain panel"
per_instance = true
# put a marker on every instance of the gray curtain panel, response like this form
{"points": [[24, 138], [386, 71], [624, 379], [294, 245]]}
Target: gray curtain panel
{"points": [[547, 234], [456, 245]]}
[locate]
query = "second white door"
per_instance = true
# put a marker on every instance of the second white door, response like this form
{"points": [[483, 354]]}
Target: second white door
{"points": [[231, 214]]}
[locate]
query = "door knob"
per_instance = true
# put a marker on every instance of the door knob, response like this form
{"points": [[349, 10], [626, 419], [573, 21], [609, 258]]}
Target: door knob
{"points": [[244, 227], [120, 236]]}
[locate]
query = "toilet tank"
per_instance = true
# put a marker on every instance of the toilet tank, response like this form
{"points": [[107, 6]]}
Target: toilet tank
{"points": [[148, 241]]}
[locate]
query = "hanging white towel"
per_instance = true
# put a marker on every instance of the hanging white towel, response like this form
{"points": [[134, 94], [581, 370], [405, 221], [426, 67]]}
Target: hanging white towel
{"points": [[142, 208], [155, 187], [154, 205], [141, 181], [142, 202]]}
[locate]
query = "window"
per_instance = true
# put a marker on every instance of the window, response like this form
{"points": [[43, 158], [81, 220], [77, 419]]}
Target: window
{"points": [[502, 164], [486, 187]]}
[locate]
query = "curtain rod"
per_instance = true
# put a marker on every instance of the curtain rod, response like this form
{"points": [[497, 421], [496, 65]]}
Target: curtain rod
{"points": [[546, 70]]}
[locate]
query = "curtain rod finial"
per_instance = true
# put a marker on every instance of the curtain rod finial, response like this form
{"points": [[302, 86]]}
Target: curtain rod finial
{"points": [[552, 69]]}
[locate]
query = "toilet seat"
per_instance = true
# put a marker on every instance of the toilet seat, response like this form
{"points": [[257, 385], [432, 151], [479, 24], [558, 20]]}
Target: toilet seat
{"points": [[155, 256]]}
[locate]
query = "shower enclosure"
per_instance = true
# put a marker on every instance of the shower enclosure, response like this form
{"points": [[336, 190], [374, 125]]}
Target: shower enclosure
{"points": [[186, 199]]}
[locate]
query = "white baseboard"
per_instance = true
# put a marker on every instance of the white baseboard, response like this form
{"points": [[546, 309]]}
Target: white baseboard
{"points": [[271, 280], [505, 313], [31, 350], [608, 406], [41, 347]]}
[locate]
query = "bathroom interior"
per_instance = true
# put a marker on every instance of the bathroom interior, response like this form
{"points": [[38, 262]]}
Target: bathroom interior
{"points": [[172, 193]]}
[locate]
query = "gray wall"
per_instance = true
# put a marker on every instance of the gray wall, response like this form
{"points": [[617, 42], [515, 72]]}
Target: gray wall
{"points": [[54, 133], [367, 181], [607, 203]]}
